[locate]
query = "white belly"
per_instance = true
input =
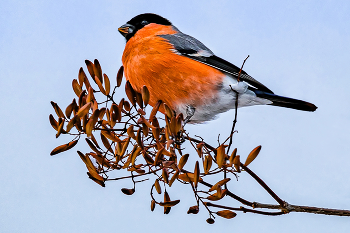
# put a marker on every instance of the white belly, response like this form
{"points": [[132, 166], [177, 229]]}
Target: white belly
{"points": [[224, 101]]}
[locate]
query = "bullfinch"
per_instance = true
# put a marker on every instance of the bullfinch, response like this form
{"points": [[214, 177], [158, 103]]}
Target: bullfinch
{"points": [[182, 72]]}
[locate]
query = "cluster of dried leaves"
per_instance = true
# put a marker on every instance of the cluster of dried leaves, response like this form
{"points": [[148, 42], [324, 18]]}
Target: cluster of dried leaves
{"points": [[123, 137]]}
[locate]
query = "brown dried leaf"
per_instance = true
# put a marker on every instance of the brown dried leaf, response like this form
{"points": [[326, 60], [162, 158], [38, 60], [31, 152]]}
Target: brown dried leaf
{"points": [[208, 160], [233, 155], [147, 158], [128, 191], [237, 163], [126, 105], [196, 174], [158, 157], [153, 205], [130, 93], [218, 184], [57, 109], [53, 122], [183, 161], [188, 177], [84, 110], [193, 210], [173, 178], [64, 147], [111, 136], [69, 110], [120, 76], [226, 214], [157, 186], [90, 97], [91, 123], [134, 155], [76, 87], [138, 138], [130, 132], [155, 110], [168, 111], [90, 67], [107, 84], [220, 155], [81, 76], [92, 146], [169, 203], [82, 98], [165, 175], [125, 146], [106, 143], [145, 95], [210, 221], [100, 86], [252, 155], [60, 127], [139, 99], [98, 70]]}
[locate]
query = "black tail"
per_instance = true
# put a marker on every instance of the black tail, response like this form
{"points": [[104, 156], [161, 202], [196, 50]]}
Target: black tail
{"points": [[286, 102]]}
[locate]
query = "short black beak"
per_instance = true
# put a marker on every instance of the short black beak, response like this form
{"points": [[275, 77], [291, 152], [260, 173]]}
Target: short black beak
{"points": [[126, 29]]}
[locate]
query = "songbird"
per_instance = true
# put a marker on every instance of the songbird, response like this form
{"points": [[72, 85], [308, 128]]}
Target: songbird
{"points": [[182, 72]]}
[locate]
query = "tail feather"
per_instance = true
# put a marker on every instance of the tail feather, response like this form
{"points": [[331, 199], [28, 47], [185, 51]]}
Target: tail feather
{"points": [[286, 102]]}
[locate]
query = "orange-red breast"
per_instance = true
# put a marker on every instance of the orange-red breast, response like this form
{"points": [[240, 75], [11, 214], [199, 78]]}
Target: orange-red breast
{"points": [[181, 71]]}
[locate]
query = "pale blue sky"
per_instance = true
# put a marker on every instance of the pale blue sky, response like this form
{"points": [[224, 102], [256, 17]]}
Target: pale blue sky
{"points": [[299, 49]]}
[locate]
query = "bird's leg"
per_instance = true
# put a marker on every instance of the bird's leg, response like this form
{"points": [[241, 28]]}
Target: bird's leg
{"points": [[189, 112]]}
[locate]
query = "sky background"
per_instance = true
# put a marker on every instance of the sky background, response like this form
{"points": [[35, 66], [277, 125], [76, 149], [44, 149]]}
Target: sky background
{"points": [[299, 49]]}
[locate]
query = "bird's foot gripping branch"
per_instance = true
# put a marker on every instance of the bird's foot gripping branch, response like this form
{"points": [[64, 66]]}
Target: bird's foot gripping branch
{"points": [[123, 136]]}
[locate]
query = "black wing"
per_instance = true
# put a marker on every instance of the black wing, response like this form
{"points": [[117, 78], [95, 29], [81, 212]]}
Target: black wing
{"points": [[196, 50]]}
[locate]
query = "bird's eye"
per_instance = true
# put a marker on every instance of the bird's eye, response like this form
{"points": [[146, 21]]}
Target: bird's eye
{"points": [[144, 22]]}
